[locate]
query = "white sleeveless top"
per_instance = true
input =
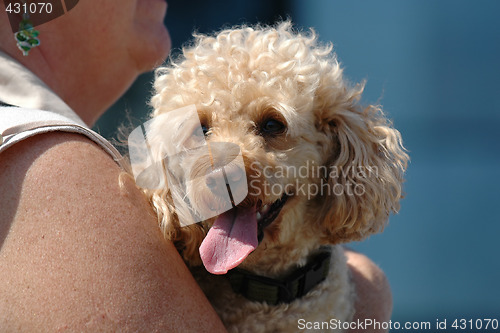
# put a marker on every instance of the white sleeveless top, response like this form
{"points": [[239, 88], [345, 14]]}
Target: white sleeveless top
{"points": [[36, 109]]}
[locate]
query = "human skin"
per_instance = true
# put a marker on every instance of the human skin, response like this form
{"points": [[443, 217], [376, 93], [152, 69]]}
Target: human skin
{"points": [[92, 54], [84, 253], [374, 297]]}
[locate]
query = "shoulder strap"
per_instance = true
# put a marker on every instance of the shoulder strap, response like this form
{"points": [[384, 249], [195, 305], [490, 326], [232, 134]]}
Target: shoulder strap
{"points": [[4, 104], [17, 125]]}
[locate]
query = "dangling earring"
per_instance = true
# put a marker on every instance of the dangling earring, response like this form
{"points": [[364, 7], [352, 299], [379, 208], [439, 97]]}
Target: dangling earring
{"points": [[27, 36]]}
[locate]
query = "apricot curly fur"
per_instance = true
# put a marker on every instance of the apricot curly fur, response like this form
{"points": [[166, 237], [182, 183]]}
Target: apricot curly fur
{"points": [[242, 76]]}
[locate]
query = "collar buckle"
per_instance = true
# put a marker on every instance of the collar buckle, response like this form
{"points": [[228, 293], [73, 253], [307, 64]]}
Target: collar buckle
{"points": [[313, 273], [276, 291]]}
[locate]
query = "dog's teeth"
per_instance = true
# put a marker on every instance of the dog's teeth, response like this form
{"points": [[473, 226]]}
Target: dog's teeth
{"points": [[264, 209], [259, 217]]}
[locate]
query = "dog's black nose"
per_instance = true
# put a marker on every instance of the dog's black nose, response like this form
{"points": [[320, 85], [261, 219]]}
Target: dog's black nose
{"points": [[220, 179], [215, 179], [234, 173]]}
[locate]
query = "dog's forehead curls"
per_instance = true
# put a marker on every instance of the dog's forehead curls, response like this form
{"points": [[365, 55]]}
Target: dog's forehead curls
{"points": [[276, 67], [280, 96]]}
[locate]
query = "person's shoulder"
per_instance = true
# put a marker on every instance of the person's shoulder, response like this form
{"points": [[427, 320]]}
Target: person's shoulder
{"points": [[56, 170], [373, 292], [82, 245], [66, 152]]}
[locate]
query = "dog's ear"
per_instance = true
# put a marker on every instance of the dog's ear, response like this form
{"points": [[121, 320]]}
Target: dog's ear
{"points": [[365, 168], [186, 239]]}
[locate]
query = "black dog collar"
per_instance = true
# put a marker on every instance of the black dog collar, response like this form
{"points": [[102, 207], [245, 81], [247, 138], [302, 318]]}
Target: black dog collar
{"points": [[276, 291]]}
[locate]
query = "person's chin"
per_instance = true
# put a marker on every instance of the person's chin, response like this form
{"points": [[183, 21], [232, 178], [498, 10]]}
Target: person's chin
{"points": [[153, 49], [161, 48]]}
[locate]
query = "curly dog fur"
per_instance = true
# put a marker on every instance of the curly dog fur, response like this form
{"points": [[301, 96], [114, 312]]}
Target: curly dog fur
{"points": [[281, 97]]}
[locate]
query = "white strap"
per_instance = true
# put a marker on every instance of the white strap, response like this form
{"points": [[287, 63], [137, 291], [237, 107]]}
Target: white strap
{"points": [[17, 124]]}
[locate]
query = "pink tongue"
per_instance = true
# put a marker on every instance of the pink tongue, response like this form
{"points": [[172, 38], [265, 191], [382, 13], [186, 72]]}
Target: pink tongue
{"points": [[230, 240]]}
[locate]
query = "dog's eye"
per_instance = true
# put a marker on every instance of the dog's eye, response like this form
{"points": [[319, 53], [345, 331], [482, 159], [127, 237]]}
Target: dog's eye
{"points": [[201, 131], [272, 126], [205, 129]]}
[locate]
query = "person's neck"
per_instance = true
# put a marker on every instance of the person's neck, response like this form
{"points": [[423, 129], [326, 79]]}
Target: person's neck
{"points": [[82, 86], [70, 84]]}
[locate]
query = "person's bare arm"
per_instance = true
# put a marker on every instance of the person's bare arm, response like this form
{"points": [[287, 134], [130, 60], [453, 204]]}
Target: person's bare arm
{"points": [[80, 253], [374, 297]]}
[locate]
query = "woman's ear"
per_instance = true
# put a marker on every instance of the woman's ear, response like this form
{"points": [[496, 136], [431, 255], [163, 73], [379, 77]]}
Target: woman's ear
{"points": [[366, 169]]}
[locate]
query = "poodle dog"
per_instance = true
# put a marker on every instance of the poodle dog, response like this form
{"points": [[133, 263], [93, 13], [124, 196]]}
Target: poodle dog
{"points": [[266, 162]]}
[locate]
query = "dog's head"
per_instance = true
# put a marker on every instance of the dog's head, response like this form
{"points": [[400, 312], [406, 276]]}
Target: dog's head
{"points": [[281, 130]]}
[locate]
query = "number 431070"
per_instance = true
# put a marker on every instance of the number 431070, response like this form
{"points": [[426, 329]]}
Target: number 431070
{"points": [[31, 8], [478, 324]]}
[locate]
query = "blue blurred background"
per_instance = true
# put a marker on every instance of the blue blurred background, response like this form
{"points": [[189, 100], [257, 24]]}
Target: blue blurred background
{"points": [[435, 68]]}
